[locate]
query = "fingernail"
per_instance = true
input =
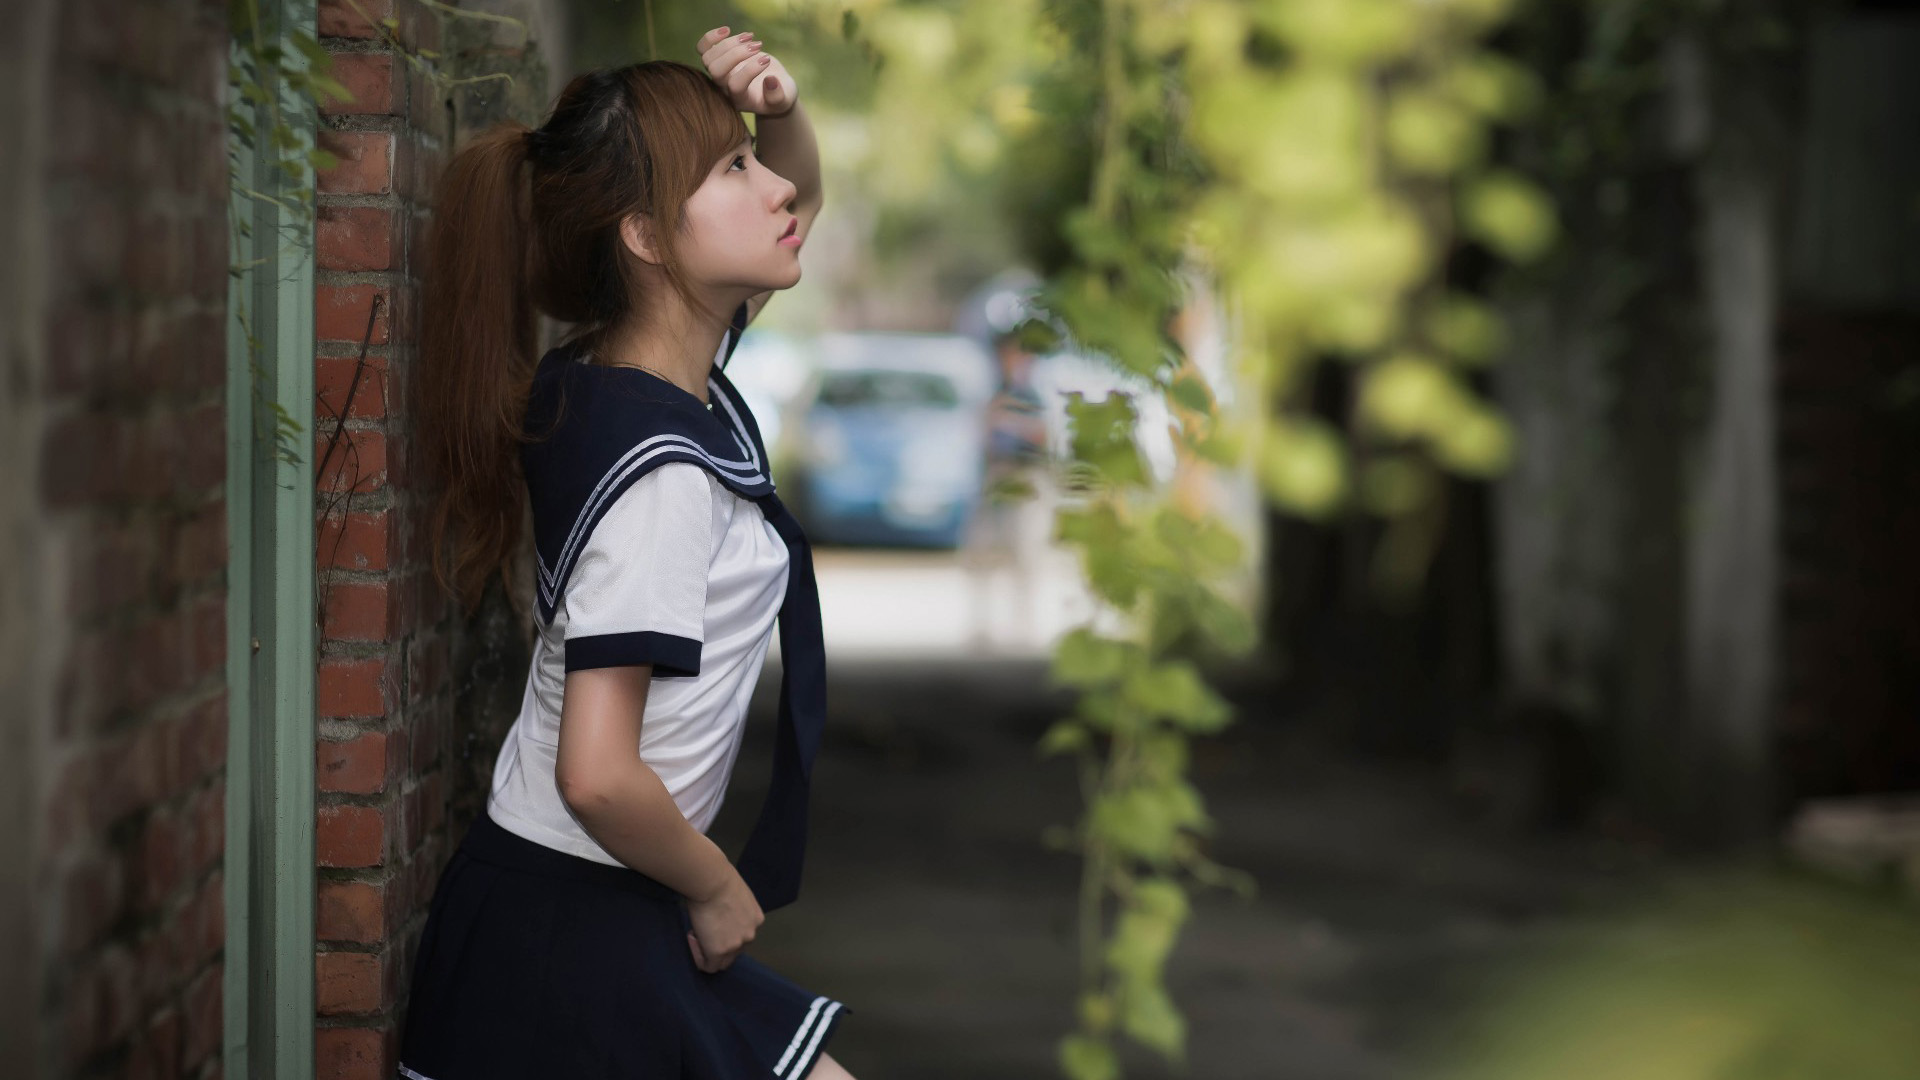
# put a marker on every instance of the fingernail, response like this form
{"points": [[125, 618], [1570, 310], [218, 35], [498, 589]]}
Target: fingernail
{"points": [[765, 60], [745, 34]]}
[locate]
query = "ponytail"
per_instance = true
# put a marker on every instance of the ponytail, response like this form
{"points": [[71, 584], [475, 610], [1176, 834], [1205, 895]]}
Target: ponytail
{"points": [[526, 223], [477, 358]]}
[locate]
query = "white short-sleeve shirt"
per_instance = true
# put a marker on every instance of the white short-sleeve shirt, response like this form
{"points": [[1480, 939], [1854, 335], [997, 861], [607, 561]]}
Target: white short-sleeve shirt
{"points": [[682, 573]]}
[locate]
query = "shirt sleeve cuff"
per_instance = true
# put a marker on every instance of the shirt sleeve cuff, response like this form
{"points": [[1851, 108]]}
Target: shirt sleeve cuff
{"points": [[669, 654]]}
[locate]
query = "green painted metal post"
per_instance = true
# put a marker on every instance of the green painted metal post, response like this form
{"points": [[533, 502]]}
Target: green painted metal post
{"points": [[271, 648]]}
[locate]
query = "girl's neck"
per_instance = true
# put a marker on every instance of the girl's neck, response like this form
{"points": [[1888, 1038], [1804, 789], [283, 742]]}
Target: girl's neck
{"points": [[673, 344]]}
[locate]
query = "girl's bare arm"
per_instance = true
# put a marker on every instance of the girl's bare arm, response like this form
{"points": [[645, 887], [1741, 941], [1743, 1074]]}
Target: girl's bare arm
{"points": [[619, 799]]}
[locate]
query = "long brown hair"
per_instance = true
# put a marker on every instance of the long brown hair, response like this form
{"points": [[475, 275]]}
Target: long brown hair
{"points": [[525, 222]]}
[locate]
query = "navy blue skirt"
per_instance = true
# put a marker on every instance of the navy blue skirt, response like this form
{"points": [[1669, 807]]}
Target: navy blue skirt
{"points": [[535, 963]]}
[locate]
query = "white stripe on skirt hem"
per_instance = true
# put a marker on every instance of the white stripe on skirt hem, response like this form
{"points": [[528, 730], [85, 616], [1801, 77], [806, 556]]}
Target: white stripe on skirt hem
{"points": [[819, 1032]]}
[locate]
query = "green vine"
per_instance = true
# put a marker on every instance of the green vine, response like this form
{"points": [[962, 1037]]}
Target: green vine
{"points": [[267, 82], [1317, 160]]}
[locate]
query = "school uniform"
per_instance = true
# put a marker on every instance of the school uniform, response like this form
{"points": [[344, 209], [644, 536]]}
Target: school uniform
{"points": [[660, 541]]}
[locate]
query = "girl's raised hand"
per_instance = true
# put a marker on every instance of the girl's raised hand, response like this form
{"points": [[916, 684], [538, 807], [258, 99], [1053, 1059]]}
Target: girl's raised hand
{"points": [[755, 81]]}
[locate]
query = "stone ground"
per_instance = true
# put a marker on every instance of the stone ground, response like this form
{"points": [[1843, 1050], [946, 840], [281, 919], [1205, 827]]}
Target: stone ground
{"points": [[934, 911]]}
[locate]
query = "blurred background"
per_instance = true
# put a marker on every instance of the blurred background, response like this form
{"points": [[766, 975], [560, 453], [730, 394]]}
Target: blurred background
{"points": [[1603, 763]]}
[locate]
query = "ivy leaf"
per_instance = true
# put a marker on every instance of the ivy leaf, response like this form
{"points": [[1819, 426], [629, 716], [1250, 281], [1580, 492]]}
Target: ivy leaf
{"points": [[1064, 736], [1509, 214], [316, 54], [1085, 659], [1096, 1012], [1138, 821], [1163, 754], [1225, 625], [1175, 691], [1190, 392], [1149, 1018], [1083, 1057], [1303, 467]]}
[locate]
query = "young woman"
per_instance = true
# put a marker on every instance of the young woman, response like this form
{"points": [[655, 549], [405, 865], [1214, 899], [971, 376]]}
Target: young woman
{"points": [[586, 926]]}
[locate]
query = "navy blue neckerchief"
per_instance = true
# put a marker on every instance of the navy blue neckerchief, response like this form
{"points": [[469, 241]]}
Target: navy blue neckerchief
{"points": [[616, 425]]}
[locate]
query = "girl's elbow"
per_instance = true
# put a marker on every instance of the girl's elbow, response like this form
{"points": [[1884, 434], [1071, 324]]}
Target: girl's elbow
{"points": [[585, 791]]}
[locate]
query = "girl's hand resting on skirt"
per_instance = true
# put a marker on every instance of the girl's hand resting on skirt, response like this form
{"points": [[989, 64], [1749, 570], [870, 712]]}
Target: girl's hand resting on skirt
{"points": [[723, 925]]}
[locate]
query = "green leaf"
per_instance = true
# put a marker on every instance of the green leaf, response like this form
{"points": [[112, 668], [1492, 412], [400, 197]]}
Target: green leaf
{"points": [[1083, 1057], [1465, 329], [1085, 659], [1148, 1017], [316, 54], [1509, 214], [327, 89], [1225, 625], [1163, 754], [1302, 464], [1190, 392], [1175, 691], [1064, 736], [1096, 1012], [1138, 821]]}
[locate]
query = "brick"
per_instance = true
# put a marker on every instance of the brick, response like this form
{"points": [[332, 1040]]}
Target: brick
{"points": [[203, 743], [347, 983], [357, 611], [358, 766], [344, 19], [354, 541], [370, 78], [353, 911], [353, 1053], [340, 314], [92, 898], [350, 836], [334, 377], [207, 645], [358, 462], [201, 436], [155, 655], [204, 823], [115, 570], [156, 1050], [366, 163], [352, 688], [154, 866], [78, 454], [202, 923], [204, 1018], [100, 1005], [200, 544], [355, 238]]}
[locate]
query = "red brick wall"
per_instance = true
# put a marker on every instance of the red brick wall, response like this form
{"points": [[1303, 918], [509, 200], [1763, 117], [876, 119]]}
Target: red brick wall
{"points": [[384, 693], [130, 825]]}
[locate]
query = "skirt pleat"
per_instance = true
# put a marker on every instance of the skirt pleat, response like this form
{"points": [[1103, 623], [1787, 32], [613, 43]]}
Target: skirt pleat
{"points": [[534, 963]]}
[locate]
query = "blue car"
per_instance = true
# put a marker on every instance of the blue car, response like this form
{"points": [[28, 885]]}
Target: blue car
{"points": [[890, 439]]}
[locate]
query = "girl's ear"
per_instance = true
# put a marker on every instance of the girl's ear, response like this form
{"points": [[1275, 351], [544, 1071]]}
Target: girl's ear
{"points": [[636, 232]]}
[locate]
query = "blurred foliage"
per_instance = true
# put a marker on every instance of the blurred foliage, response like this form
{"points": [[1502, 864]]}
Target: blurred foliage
{"points": [[1723, 977]]}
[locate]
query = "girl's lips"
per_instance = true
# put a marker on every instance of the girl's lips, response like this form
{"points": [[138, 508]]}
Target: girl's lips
{"points": [[791, 237]]}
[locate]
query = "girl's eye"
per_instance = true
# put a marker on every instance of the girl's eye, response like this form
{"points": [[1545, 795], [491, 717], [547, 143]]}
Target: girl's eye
{"points": [[741, 161]]}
